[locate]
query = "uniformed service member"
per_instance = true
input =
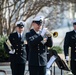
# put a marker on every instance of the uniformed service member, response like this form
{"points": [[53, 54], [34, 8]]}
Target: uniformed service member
{"points": [[18, 52], [70, 41], [37, 58]]}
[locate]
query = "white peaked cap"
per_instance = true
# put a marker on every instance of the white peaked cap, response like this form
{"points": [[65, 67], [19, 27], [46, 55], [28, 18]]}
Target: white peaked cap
{"points": [[38, 18], [18, 22], [74, 21]]}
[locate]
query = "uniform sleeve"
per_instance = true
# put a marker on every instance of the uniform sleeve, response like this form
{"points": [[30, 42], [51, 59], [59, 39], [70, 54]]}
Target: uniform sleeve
{"points": [[66, 44], [27, 50], [33, 41], [6, 48], [10, 38], [5, 45], [49, 42]]}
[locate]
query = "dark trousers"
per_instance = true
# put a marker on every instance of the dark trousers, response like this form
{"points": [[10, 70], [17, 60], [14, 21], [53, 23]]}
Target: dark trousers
{"points": [[37, 70], [17, 68], [73, 67]]}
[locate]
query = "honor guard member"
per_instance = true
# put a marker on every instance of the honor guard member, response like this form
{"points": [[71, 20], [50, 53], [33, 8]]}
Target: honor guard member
{"points": [[37, 58], [15, 46], [70, 41]]}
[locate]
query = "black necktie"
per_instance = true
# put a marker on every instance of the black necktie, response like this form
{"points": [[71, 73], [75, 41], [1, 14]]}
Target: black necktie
{"points": [[20, 36]]}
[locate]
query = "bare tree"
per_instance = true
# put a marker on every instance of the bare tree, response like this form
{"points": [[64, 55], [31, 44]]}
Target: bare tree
{"points": [[1, 15], [15, 10]]}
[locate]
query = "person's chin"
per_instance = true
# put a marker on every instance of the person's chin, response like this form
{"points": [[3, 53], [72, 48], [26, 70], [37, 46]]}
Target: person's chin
{"points": [[37, 29]]}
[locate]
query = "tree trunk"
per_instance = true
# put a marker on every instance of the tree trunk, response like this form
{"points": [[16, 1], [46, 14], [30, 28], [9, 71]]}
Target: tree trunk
{"points": [[1, 18]]}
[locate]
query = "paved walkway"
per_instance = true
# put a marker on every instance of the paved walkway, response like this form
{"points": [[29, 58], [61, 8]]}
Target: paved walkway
{"points": [[8, 70], [6, 67]]}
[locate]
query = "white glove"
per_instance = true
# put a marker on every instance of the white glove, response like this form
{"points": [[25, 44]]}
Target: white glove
{"points": [[44, 30], [48, 72], [67, 58], [44, 40], [12, 51]]}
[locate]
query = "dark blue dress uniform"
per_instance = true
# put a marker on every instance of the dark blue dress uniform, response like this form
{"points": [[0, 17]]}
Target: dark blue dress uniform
{"points": [[70, 41], [37, 57], [18, 59]]}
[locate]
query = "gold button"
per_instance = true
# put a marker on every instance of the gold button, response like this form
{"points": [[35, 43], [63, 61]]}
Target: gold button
{"points": [[21, 53], [16, 45], [22, 45], [43, 49], [74, 59], [21, 49], [16, 53], [38, 49], [16, 49]]}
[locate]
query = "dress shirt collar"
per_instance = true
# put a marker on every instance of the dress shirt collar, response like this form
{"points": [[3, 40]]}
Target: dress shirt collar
{"points": [[19, 34]]}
